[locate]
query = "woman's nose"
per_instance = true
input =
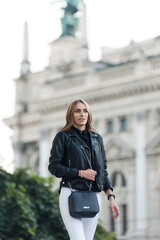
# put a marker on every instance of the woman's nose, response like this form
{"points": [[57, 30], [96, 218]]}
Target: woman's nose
{"points": [[82, 113]]}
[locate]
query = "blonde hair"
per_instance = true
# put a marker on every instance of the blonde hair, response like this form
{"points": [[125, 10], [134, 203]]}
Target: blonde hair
{"points": [[69, 116]]}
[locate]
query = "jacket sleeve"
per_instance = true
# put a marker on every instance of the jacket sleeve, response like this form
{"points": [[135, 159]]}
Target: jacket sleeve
{"points": [[56, 159], [107, 184]]}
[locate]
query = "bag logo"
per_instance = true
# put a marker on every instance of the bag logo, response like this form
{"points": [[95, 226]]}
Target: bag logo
{"points": [[86, 207]]}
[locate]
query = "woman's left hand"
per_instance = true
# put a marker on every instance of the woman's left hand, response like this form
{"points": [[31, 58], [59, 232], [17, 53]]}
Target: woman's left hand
{"points": [[114, 208]]}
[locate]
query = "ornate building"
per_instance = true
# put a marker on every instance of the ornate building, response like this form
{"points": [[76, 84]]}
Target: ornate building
{"points": [[123, 90]]}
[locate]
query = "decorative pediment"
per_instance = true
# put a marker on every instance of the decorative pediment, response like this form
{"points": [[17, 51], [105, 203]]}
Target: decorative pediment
{"points": [[153, 147], [117, 149]]}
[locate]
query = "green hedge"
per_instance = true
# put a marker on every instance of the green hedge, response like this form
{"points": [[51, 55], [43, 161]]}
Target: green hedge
{"points": [[29, 209]]}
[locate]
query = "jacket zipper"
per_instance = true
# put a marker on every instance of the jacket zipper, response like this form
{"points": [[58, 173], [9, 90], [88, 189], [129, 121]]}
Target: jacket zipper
{"points": [[69, 163], [89, 159], [89, 154], [91, 166]]}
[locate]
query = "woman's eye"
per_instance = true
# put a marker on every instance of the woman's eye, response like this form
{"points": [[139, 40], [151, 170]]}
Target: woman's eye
{"points": [[85, 110], [78, 110]]}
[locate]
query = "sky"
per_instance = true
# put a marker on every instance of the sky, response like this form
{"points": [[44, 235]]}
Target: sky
{"points": [[110, 23]]}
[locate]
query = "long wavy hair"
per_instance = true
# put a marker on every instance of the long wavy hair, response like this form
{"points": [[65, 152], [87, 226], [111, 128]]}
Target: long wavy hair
{"points": [[69, 116]]}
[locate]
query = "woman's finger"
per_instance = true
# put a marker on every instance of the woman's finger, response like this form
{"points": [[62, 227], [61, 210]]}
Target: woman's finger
{"points": [[116, 212]]}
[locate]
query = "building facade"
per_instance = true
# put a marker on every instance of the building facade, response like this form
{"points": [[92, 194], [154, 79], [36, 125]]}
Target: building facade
{"points": [[123, 90]]}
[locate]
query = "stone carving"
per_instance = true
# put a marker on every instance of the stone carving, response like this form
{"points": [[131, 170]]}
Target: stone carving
{"points": [[21, 107], [117, 149], [30, 156], [153, 147]]}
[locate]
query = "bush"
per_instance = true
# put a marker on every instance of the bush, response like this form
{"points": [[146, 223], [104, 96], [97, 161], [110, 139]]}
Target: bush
{"points": [[29, 209]]}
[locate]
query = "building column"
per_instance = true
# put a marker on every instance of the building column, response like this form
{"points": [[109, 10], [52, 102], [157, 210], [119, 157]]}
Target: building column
{"points": [[18, 148], [101, 126], [141, 187], [44, 153], [131, 201]]}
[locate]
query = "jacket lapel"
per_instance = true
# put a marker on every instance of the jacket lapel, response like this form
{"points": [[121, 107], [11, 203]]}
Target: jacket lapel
{"points": [[94, 139]]}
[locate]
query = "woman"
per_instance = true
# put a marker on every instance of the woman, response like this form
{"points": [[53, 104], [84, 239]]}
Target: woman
{"points": [[67, 161]]}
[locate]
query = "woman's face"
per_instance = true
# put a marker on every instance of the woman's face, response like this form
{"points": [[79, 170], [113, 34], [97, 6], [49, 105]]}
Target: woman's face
{"points": [[80, 116]]}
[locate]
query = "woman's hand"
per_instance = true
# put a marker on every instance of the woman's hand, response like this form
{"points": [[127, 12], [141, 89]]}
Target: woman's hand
{"points": [[114, 208], [88, 174]]}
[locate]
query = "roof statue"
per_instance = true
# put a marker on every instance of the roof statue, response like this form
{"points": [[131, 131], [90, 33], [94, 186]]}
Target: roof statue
{"points": [[69, 20]]}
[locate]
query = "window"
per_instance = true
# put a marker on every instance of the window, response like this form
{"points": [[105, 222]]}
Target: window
{"points": [[118, 181], [110, 126], [123, 124], [124, 219]]}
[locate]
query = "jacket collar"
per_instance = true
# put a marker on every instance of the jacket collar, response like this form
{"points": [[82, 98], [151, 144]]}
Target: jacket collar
{"points": [[93, 137], [84, 132], [73, 133]]}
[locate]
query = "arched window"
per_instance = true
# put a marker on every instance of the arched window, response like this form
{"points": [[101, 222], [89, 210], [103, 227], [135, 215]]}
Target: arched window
{"points": [[123, 124], [118, 179], [123, 210]]}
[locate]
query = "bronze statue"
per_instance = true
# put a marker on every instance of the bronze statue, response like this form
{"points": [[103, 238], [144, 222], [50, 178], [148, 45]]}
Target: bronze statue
{"points": [[69, 20]]}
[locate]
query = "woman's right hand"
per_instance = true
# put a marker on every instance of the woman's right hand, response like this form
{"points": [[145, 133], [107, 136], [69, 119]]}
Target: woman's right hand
{"points": [[88, 174]]}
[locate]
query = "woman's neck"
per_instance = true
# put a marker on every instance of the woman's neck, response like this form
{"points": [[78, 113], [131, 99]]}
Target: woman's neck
{"points": [[81, 128]]}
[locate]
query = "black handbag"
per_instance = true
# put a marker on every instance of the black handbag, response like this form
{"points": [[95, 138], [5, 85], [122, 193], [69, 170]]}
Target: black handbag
{"points": [[83, 203]]}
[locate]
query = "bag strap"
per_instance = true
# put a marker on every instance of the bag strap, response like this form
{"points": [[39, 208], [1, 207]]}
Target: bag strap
{"points": [[82, 148]]}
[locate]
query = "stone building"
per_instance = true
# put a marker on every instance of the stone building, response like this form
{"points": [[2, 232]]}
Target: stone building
{"points": [[123, 90]]}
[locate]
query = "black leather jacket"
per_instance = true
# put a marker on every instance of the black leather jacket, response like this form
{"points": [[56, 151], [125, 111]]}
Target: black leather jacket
{"points": [[69, 154]]}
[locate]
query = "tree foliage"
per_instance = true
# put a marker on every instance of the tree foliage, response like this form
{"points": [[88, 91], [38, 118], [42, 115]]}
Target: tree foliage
{"points": [[29, 209]]}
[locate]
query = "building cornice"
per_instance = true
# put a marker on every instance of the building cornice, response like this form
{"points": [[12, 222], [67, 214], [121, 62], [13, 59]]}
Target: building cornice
{"points": [[21, 121], [92, 96], [98, 95]]}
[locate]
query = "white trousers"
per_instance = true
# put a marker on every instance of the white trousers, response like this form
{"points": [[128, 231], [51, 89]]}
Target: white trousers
{"points": [[78, 229]]}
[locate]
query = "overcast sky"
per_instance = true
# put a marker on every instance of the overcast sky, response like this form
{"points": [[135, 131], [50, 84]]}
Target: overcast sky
{"points": [[111, 23]]}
